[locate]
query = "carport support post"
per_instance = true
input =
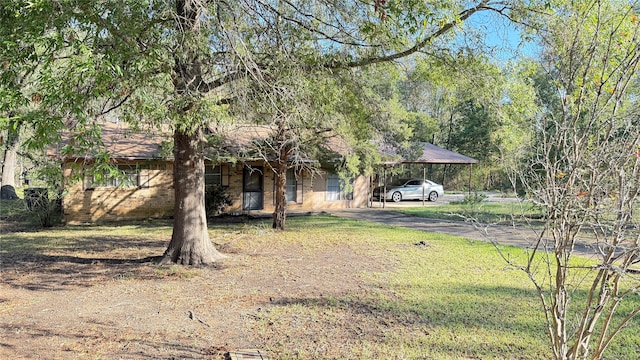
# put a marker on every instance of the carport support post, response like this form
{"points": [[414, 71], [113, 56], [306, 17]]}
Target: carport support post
{"points": [[424, 179], [370, 192], [470, 175], [384, 194]]}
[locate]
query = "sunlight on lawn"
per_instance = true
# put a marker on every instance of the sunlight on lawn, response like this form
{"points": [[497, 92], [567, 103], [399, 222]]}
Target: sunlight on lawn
{"points": [[488, 213], [425, 295], [447, 298]]}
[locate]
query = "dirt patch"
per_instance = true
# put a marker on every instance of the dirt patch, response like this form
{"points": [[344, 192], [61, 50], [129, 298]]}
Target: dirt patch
{"points": [[112, 302]]}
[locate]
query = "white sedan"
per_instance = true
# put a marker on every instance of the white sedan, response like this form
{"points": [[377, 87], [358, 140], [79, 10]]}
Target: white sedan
{"points": [[411, 189]]}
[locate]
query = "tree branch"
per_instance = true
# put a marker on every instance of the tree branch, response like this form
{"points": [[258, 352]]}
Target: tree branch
{"points": [[483, 5], [206, 87]]}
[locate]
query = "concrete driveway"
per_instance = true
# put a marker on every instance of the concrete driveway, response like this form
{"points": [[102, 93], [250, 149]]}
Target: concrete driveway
{"points": [[491, 197], [499, 234]]}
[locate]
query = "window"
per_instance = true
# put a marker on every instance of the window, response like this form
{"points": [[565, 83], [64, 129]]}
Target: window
{"points": [[336, 189], [144, 176], [292, 187], [122, 176], [212, 176]]}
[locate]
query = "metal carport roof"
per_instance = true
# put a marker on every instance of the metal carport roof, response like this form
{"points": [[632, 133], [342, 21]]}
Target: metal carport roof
{"points": [[431, 154]]}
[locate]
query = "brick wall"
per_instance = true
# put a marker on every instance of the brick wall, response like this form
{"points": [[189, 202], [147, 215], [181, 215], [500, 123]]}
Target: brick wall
{"points": [[99, 204], [312, 192], [83, 205]]}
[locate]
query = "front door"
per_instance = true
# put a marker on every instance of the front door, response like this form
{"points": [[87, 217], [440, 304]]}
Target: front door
{"points": [[252, 188]]}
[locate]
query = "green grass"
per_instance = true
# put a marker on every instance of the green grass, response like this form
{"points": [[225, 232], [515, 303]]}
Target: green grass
{"points": [[454, 299], [449, 299], [13, 210], [487, 213], [433, 297], [506, 213]]}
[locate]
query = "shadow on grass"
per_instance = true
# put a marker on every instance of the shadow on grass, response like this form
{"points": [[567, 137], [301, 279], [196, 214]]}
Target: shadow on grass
{"points": [[66, 258], [299, 222], [41, 272], [332, 222], [81, 256], [477, 306], [474, 321], [99, 342], [43, 259], [75, 242]]}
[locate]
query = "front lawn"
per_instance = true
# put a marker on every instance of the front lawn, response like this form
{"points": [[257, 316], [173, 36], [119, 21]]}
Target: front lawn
{"points": [[327, 288]]}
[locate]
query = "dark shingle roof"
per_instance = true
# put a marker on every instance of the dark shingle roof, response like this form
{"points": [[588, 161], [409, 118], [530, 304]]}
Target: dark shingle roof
{"points": [[121, 142], [124, 143], [431, 154]]}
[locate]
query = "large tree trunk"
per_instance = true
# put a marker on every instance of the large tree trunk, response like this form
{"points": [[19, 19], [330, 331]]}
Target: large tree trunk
{"points": [[190, 243], [8, 188]]}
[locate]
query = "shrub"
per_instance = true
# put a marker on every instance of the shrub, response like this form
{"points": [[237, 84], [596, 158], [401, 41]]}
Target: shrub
{"points": [[216, 199], [46, 210], [471, 199]]}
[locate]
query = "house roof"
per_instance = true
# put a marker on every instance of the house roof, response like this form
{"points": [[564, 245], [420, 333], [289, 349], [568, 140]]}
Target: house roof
{"points": [[122, 142], [238, 140], [431, 154], [244, 141]]}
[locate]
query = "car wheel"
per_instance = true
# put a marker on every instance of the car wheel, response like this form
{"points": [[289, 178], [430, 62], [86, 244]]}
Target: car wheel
{"points": [[396, 197], [433, 196]]}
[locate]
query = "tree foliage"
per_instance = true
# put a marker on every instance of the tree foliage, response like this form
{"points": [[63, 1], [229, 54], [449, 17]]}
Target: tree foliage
{"points": [[182, 62]]}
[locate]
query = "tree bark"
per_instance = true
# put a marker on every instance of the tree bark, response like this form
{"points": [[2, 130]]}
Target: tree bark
{"points": [[280, 211], [282, 164], [8, 181], [190, 243]]}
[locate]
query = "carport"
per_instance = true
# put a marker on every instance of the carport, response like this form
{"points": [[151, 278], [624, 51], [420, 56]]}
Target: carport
{"points": [[428, 154]]}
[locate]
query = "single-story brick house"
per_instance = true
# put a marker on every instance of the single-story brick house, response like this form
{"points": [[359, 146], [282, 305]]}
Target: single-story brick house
{"points": [[146, 190]]}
